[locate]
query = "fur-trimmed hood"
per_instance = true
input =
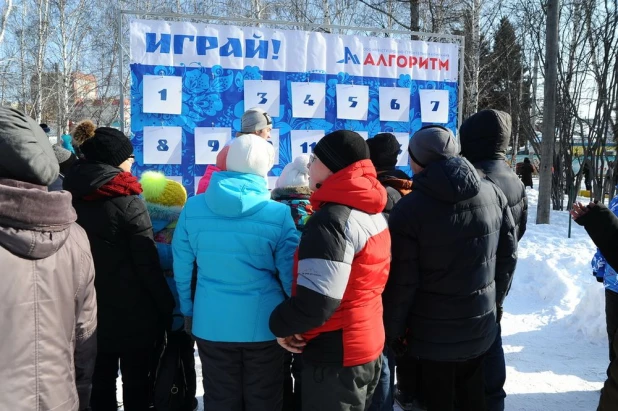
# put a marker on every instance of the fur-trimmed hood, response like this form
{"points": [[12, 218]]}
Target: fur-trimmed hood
{"points": [[299, 192], [162, 216]]}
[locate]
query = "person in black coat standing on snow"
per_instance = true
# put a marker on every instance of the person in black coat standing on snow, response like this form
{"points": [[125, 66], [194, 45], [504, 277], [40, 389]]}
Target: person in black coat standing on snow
{"points": [[135, 303], [453, 247], [485, 137]]}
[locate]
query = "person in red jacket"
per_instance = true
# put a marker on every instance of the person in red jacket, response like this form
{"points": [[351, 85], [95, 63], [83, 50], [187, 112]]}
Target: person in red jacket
{"points": [[335, 314]]}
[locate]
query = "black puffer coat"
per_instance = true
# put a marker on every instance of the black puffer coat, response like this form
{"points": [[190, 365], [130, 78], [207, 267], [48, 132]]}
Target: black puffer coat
{"points": [[134, 301], [451, 238], [484, 138]]}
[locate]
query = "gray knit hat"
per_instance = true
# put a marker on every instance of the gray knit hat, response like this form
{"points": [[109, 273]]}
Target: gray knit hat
{"points": [[62, 154], [431, 144], [254, 119]]}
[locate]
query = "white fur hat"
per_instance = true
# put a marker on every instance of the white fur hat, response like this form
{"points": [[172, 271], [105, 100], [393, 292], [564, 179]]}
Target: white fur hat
{"points": [[295, 174], [250, 154]]}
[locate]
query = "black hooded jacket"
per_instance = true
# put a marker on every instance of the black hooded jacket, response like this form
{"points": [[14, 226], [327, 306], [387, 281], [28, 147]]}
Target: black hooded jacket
{"points": [[453, 249], [484, 139], [134, 300]]}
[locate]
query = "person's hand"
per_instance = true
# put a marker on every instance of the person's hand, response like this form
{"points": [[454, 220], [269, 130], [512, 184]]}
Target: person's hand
{"points": [[499, 312], [189, 325], [294, 343], [397, 345], [580, 210]]}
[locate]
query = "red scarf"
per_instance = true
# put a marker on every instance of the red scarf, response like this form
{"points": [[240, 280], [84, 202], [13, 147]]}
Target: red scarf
{"points": [[124, 184]]}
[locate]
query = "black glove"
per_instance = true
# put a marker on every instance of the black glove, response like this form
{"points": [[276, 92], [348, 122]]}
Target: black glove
{"points": [[499, 312], [397, 345], [599, 279]]}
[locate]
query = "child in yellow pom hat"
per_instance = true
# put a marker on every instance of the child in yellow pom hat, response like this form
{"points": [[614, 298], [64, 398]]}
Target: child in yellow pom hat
{"points": [[165, 199]]}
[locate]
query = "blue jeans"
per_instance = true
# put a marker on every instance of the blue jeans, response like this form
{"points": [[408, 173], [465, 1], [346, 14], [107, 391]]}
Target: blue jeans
{"points": [[494, 370], [383, 396]]}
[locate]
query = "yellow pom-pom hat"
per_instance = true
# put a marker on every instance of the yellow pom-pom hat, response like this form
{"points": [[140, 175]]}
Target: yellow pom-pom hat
{"points": [[159, 189]]}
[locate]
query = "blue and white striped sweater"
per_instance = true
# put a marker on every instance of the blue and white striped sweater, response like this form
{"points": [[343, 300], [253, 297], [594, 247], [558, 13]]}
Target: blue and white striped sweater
{"points": [[599, 265]]}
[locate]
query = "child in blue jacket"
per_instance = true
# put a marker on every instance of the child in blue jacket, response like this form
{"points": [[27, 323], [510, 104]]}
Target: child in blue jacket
{"points": [[243, 244]]}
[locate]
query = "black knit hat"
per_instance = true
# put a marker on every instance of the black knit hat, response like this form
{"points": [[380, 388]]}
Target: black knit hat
{"points": [[104, 144], [384, 149], [340, 149]]}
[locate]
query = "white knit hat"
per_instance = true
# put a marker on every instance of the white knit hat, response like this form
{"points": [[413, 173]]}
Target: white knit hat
{"points": [[295, 174], [250, 154]]}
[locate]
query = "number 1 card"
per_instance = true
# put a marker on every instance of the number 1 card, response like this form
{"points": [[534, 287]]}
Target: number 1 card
{"points": [[162, 94], [434, 106], [308, 100]]}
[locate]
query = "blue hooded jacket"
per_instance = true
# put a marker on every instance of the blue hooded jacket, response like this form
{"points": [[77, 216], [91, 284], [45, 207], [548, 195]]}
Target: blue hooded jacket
{"points": [[244, 246], [600, 268]]}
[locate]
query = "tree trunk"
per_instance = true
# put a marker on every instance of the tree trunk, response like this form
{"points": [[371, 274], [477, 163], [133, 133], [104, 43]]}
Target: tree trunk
{"points": [[415, 22], [475, 47], [549, 112]]}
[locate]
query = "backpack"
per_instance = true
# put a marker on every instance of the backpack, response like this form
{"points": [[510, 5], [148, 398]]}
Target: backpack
{"points": [[172, 388]]}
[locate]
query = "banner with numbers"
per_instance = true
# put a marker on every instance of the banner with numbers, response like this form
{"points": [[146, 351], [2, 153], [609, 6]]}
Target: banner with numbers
{"points": [[191, 83]]}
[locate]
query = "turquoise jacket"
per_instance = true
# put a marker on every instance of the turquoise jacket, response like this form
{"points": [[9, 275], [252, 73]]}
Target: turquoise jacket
{"points": [[244, 244]]}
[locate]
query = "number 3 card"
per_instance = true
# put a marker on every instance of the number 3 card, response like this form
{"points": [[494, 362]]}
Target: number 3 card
{"points": [[434, 106], [308, 100], [162, 145], [263, 94], [352, 102], [209, 141], [162, 94], [394, 104]]}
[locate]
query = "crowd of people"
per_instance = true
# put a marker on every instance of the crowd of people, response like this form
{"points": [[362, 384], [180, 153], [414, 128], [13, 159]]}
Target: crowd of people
{"points": [[312, 296]]}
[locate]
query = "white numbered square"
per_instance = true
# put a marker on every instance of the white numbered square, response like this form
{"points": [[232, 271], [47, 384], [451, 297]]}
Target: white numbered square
{"points": [[308, 100], [434, 106], [363, 134], [264, 94], [394, 104], [352, 102], [274, 140], [162, 94], [177, 179], [403, 139], [272, 182], [208, 143], [162, 145], [304, 141]]}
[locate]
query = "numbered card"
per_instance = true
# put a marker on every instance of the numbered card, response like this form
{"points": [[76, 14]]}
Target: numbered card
{"points": [[196, 184], [363, 134], [263, 94], [304, 141], [308, 100], [162, 94], [434, 106], [272, 182], [403, 139], [177, 179], [352, 102], [209, 141], [162, 145], [274, 140], [394, 104]]}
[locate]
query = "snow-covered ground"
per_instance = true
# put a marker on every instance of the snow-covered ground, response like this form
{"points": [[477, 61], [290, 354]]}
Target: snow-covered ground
{"points": [[554, 322]]}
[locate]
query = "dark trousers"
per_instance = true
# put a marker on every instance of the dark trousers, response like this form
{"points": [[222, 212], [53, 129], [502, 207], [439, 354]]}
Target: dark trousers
{"points": [[609, 395], [408, 372], [242, 376], [383, 396], [292, 367], [494, 370], [443, 383], [337, 388], [135, 367]]}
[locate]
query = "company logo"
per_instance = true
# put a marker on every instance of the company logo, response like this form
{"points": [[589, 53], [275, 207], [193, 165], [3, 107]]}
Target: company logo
{"points": [[349, 56]]}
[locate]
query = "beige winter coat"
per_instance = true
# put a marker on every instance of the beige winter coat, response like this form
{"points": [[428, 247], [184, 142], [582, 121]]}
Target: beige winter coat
{"points": [[48, 311]]}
